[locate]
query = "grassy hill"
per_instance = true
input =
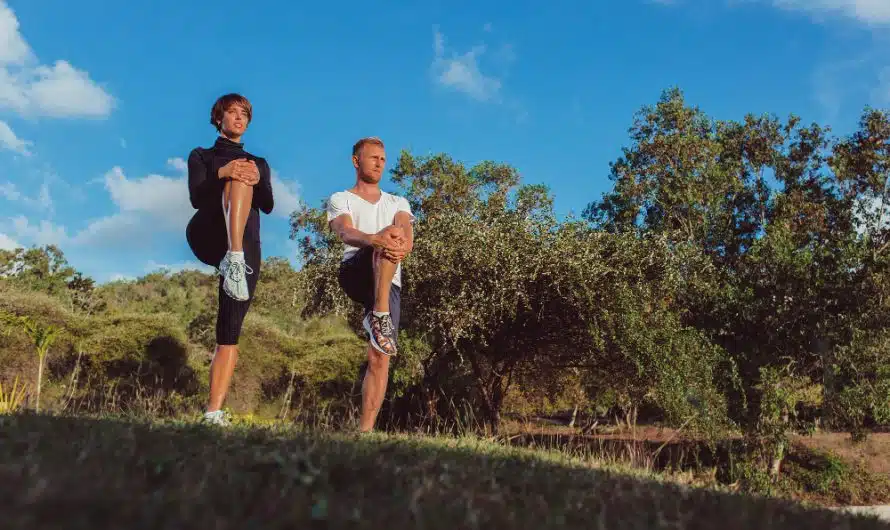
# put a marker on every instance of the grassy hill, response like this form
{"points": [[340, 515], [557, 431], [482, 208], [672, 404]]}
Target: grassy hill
{"points": [[94, 473]]}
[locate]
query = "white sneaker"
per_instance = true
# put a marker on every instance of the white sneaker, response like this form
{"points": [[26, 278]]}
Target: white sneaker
{"points": [[234, 271], [217, 417], [223, 265]]}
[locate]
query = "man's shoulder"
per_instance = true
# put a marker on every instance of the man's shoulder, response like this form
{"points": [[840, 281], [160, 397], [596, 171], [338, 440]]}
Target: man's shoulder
{"points": [[342, 194], [339, 200], [392, 197], [394, 200]]}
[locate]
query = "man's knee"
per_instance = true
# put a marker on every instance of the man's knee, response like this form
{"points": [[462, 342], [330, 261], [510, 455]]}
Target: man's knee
{"points": [[378, 363]]}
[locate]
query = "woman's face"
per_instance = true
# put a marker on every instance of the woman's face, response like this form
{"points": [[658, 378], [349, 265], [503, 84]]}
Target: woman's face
{"points": [[234, 121]]}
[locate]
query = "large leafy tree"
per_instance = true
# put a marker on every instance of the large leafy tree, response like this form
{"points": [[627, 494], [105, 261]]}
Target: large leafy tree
{"points": [[792, 226]]}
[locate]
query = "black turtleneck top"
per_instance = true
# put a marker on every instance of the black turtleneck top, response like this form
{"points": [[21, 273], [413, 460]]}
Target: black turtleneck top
{"points": [[206, 188]]}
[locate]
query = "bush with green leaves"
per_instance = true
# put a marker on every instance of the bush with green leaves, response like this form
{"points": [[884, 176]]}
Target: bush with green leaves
{"points": [[497, 286]]}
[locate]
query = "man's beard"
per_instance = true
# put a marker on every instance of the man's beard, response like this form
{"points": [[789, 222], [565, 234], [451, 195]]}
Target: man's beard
{"points": [[364, 177]]}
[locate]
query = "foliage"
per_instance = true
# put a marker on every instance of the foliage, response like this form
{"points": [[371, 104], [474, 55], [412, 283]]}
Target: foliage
{"points": [[793, 228], [541, 293], [12, 398]]}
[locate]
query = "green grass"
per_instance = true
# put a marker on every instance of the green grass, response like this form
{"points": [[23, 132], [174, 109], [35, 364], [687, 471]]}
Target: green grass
{"points": [[825, 478], [87, 473]]}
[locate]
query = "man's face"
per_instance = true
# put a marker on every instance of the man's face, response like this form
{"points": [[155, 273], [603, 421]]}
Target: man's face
{"points": [[235, 121], [370, 163]]}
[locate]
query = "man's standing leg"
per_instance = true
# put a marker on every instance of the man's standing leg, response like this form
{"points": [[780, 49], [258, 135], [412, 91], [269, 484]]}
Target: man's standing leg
{"points": [[377, 374]]}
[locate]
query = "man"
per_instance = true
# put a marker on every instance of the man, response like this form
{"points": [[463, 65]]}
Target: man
{"points": [[229, 187], [375, 227]]}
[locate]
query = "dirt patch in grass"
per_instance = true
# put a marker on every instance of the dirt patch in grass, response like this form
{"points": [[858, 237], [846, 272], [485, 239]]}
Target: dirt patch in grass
{"points": [[829, 479], [826, 469], [873, 453], [93, 474]]}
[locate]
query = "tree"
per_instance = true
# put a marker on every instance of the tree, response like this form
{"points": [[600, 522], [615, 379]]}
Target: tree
{"points": [[793, 240], [43, 337]]}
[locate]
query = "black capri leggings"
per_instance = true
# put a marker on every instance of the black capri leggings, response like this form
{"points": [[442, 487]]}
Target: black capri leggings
{"points": [[207, 237]]}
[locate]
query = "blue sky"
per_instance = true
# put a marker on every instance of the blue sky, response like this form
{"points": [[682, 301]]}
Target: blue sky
{"points": [[100, 101]]}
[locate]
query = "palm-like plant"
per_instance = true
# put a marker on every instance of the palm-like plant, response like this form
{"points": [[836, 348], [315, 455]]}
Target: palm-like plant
{"points": [[43, 336]]}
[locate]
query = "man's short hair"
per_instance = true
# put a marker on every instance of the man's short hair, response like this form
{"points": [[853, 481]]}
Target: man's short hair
{"points": [[222, 105], [373, 140]]}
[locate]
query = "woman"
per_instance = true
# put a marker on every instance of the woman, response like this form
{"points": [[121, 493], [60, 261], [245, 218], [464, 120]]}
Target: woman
{"points": [[229, 187]]}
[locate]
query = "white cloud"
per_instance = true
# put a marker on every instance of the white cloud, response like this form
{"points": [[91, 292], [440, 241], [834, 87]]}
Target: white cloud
{"points": [[10, 141], [43, 200], [178, 164], [43, 233], [867, 11], [461, 72], [8, 243], [9, 192], [178, 267], [62, 91], [286, 194], [13, 48], [150, 208], [164, 199], [33, 89], [153, 205]]}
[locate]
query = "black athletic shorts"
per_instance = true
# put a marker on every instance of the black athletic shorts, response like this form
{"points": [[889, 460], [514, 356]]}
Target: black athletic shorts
{"points": [[208, 238], [356, 278]]}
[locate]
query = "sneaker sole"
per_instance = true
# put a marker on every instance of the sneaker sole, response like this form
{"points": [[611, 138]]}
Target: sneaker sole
{"points": [[366, 323], [232, 295]]}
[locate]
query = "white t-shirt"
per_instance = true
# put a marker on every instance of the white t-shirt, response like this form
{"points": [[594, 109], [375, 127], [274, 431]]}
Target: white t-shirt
{"points": [[367, 217]]}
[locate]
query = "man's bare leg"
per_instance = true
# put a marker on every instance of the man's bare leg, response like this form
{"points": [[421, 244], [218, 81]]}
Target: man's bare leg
{"points": [[221, 370], [384, 272], [373, 388], [377, 374]]}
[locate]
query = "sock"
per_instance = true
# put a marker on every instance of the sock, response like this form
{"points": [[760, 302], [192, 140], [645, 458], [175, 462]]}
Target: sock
{"points": [[380, 313], [236, 253]]}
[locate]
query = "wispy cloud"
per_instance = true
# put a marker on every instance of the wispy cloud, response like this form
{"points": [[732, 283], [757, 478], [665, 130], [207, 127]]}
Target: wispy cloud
{"points": [[43, 201], [10, 141], [8, 243], [461, 71], [875, 12]]}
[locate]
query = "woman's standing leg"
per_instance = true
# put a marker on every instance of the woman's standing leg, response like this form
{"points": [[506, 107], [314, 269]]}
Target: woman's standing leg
{"points": [[229, 321]]}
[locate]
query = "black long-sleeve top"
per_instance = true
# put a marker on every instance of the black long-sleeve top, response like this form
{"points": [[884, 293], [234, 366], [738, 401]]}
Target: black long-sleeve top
{"points": [[206, 188]]}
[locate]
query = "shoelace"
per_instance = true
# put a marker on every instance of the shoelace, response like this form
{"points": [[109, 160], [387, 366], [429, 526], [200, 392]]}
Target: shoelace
{"points": [[237, 270], [386, 326]]}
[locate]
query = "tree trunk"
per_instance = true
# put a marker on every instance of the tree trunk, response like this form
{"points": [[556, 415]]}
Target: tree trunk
{"points": [[39, 377], [574, 416], [775, 466]]}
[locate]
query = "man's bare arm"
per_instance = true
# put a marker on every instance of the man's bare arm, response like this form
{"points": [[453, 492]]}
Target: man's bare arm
{"points": [[403, 221], [342, 226]]}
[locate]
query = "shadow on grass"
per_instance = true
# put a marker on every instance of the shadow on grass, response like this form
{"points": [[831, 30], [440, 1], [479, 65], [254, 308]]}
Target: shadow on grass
{"points": [[76, 472]]}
